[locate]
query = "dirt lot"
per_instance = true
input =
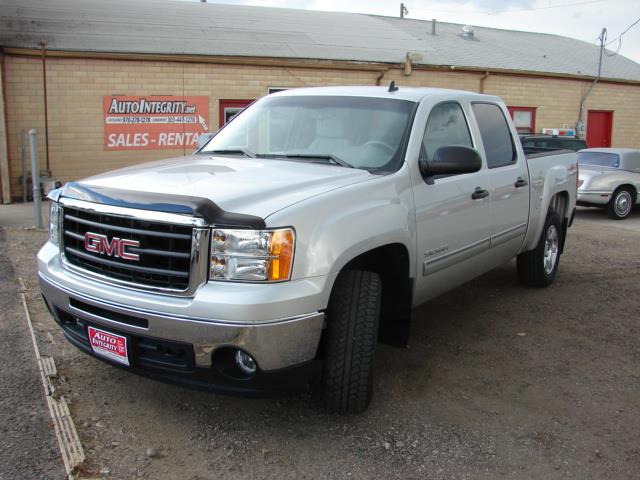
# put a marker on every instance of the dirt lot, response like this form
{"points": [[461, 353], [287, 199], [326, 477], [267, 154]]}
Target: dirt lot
{"points": [[499, 382]]}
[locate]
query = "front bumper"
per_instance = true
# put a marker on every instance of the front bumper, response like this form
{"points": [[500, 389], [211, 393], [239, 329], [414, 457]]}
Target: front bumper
{"points": [[284, 347]]}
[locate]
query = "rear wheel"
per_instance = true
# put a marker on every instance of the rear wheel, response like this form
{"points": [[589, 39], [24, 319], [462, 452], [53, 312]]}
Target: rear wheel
{"points": [[538, 267], [621, 203], [350, 341]]}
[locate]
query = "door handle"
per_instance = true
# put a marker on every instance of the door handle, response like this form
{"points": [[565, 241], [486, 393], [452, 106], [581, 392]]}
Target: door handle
{"points": [[521, 182], [479, 193]]}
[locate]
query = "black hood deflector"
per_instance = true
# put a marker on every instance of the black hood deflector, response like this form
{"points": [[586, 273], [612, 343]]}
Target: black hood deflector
{"points": [[159, 202]]}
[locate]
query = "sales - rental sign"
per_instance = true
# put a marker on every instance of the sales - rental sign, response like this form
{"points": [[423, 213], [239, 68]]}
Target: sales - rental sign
{"points": [[154, 122]]}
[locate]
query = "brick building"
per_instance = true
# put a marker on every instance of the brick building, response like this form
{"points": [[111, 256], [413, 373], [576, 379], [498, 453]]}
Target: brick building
{"points": [[89, 52]]}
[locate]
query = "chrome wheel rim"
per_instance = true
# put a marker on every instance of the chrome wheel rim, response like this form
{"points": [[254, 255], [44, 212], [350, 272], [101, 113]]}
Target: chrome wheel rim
{"points": [[622, 204], [551, 248]]}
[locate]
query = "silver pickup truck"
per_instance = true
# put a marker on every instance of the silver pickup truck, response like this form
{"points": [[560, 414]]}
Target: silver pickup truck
{"points": [[307, 229]]}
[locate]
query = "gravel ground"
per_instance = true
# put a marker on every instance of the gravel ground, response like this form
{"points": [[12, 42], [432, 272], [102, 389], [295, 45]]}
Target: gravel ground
{"points": [[500, 381], [27, 440]]}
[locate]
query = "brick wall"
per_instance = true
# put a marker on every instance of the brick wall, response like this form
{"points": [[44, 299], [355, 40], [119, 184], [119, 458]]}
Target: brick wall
{"points": [[76, 88]]}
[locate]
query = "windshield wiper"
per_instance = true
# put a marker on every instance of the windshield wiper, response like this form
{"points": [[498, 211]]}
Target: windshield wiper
{"points": [[312, 156], [233, 151]]}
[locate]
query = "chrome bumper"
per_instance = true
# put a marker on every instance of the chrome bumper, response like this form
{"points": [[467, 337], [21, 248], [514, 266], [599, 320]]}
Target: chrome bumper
{"points": [[275, 344]]}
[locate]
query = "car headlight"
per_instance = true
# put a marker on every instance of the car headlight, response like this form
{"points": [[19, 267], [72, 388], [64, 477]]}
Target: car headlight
{"points": [[252, 255], [54, 223]]}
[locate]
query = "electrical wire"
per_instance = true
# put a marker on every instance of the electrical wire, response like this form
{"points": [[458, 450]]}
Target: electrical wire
{"points": [[500, 12], [617, 49], [619, 37]]}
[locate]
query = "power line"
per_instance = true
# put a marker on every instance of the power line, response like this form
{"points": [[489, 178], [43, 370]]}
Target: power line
{"points": [[499, 12], [550, 7], [619, 37]]}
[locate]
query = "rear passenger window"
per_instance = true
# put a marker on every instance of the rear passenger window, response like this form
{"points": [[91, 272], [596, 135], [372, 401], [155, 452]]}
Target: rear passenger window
{"points": [[496, 137], [446, 126]]}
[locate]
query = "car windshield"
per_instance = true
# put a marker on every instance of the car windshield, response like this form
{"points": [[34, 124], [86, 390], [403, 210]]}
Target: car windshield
{"points": [[367, 133], [599, 159]]}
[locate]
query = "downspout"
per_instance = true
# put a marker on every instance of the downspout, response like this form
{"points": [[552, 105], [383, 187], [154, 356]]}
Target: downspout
{"points": [[5, 164], [482, 80], [579, 122], [43, 44], [380, 77]]}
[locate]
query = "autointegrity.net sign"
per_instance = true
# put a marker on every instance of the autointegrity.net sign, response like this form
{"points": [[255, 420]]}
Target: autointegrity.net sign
{"points": [[154, 122]]}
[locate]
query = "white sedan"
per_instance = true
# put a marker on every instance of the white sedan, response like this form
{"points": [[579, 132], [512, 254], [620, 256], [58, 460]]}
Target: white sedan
{"points": [[609, 178]]}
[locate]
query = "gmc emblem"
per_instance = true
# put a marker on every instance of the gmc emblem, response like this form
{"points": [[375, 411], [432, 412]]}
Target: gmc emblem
{"points": [[117, 247]]}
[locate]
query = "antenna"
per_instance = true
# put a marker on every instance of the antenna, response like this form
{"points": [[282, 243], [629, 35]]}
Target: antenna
{"points": [[392, 87]]}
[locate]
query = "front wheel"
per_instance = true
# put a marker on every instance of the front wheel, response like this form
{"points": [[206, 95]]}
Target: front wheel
{"points": [[350, 341], [538, 267], [621, 204]]}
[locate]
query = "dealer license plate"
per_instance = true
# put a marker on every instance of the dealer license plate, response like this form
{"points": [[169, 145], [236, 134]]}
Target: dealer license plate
{"points": [[109, 345]]}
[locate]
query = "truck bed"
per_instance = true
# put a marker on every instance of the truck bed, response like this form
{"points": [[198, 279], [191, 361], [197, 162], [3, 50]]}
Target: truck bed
{"points": [[537, 152]]}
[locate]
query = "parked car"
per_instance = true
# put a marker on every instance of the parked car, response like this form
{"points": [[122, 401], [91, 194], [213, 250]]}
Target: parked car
{"points": [[302, 233], [609, 178], [553, 142]]}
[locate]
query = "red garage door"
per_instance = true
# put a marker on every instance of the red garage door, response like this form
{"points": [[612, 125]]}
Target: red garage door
{"points": [[599, 123]]}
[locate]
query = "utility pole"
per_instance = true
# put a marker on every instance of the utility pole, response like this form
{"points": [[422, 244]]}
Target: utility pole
{"points": [[403, 10], [580, 122]]}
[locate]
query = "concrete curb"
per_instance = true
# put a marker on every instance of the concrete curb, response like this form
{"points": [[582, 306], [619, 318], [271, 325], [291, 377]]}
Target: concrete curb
{"points": [[66, 433]]}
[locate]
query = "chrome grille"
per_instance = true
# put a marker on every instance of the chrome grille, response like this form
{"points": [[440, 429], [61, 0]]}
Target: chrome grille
{"points": [[165, 249]]}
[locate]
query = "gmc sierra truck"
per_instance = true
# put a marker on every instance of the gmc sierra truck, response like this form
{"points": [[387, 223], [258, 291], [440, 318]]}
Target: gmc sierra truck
{"points": [[276, 256]]}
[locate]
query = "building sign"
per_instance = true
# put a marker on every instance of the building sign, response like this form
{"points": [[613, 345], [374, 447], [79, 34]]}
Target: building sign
{"points": [[154, 122]]}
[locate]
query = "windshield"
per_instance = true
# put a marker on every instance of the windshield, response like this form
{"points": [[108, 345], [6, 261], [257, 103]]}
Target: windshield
{"points": [[599, 159], [367, 133]]}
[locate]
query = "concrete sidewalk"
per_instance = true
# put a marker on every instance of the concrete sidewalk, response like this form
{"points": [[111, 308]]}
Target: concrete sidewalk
{"points": [[22, 215]]}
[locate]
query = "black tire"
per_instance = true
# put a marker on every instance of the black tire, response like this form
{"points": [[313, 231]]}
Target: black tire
{"points": [[350, 340], [533, 269], [621, 203]]}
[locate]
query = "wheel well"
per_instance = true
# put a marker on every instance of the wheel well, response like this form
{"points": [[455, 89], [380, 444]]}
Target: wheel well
{"points": [[628, 186], [391, 262], [560, 204]]}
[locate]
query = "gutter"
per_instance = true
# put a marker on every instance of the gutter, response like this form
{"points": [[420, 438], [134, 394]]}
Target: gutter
{"points": [[311, 63]]}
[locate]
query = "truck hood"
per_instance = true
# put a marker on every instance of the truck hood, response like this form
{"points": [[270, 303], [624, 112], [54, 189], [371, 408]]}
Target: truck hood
{"points": [[248, 186]]}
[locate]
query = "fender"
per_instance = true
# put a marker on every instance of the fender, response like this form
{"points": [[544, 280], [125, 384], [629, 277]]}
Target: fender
{"points": [[547, 179], [337, 226]]}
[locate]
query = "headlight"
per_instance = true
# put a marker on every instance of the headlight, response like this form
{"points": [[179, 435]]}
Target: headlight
{"points": [[252, 255], [54, 223]]}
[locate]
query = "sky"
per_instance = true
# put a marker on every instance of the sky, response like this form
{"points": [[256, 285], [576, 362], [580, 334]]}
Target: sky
{"points": [[581, 19]]}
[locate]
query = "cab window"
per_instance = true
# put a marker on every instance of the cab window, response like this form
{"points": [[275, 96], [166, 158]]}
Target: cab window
{"points": [[446, 126], [496, 137]]}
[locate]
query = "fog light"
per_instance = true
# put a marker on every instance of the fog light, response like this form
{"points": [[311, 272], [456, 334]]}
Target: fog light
{"points": [[245, 362]]}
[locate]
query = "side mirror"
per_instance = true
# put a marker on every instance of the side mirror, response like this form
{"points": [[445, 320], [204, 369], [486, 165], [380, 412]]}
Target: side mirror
{"points": [[203, 138], [451, 160]]}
